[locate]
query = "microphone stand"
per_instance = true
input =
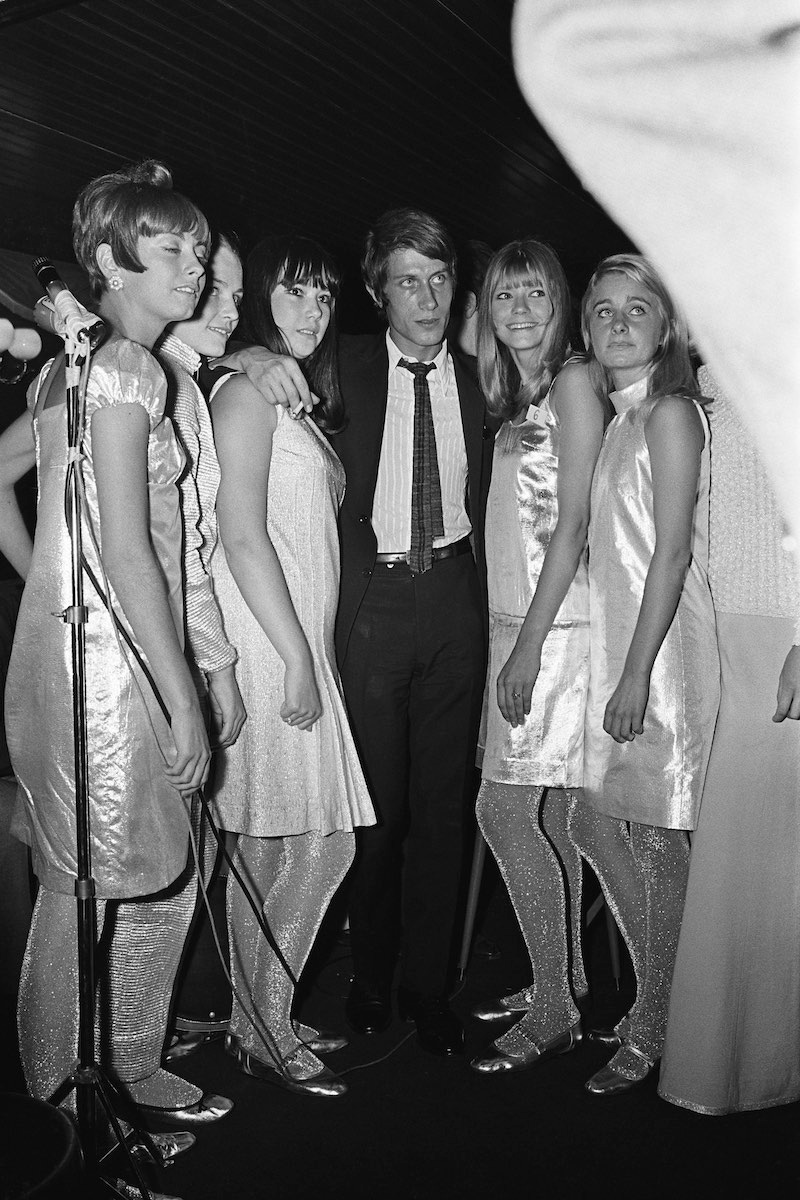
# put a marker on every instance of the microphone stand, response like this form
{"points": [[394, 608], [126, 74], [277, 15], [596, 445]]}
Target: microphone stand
{"points": [[87, 1078]]}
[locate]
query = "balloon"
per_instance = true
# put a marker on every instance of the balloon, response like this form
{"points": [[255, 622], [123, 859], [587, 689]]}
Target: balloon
{"points": [[6, 334], [26, 344]]}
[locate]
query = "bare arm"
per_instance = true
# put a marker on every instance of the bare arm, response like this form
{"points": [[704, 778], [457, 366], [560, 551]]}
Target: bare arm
{"points": [[119, 439], [278, 377], [243, 431], [674, 433], [17, 457], [581, 418]]}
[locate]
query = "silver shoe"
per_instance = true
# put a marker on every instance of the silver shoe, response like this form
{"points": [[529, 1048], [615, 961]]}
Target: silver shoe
{"points": [[627, 1069], [322, 1083], [167, 1146], [496, 1060], [208, 1108], [319, 1041], [130, 1191], [504, 1008]]}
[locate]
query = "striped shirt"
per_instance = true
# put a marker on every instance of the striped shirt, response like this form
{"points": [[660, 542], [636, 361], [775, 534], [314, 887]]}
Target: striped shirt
{"points": [[391, 507]]}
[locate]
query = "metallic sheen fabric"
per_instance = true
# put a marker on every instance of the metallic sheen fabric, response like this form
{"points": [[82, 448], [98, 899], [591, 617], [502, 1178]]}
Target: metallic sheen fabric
{"points": [[521, 515], [198, 486], [542, 871], [293, 880], [643, 871], [656, 779], [139, 829], [277, 779]]}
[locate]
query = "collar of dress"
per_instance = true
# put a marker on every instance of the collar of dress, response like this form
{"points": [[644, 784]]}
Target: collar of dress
{"points": [[182, 354], [626, 397]]}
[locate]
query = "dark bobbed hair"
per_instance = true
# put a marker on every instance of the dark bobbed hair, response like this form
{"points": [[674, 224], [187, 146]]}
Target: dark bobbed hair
{"points": [[506, 393], [672, 372], [119, 208], [222, 236], [403, 229], [286, 258]]}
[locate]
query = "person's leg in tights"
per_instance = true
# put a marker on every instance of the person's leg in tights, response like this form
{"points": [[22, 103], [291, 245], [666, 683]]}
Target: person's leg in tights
{"points": [[509, 818], [147, 937], [140, 942], [293, 879], [643, 871], [662, 856], [606, 845], [555, 811], [47, 1006]]}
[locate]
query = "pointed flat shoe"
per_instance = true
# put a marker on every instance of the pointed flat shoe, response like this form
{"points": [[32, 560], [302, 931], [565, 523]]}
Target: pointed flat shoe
{"points": [[319, 1041], [631, 1070], [495, 1060], [503, 1008], [323, 1083], [207, 1109]]}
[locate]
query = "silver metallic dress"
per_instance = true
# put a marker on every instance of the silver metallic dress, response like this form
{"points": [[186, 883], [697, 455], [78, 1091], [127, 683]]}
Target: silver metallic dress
{"points": [[656, 779], [521, 515], [278, 780], [139, 841]]}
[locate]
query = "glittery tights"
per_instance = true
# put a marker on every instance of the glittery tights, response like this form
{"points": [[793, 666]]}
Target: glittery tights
{"points": [[643, 870], [542, 871], [139, 947], [294, 879]]}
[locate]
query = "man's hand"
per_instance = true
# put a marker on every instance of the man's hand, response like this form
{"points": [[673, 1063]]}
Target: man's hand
{"points": [[789, 688], [277, 377]]}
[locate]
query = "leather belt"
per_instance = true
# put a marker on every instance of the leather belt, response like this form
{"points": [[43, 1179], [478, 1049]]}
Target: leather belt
{"points": [[462, 546]]}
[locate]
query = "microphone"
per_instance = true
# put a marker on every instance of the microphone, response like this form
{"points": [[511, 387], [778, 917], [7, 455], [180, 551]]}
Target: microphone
{"points": [[78, 323]]}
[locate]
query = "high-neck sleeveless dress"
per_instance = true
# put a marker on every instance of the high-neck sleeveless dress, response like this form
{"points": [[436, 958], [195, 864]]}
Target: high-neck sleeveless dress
{"points": [[656, 779]]}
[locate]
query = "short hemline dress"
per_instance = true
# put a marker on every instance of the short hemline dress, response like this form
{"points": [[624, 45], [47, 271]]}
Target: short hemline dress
{"points": [[277, 780], [522, 512], [657, 779], [139, 828]]}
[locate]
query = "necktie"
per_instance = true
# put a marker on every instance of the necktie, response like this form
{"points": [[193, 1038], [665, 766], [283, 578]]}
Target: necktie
{"points": [[426, 494]]}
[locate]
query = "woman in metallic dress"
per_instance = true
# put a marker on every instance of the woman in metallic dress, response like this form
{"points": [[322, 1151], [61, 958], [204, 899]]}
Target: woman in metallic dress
{"points": [[292, 786], [654, 674], [144, 247], [533, 718]]}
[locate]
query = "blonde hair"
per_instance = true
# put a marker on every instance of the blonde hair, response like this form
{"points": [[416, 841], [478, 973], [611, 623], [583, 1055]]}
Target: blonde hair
{"points": [[671, 372], [507, 394]]}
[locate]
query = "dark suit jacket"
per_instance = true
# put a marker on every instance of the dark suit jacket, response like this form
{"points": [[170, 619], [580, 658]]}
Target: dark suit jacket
{"points": [[363, 373]]}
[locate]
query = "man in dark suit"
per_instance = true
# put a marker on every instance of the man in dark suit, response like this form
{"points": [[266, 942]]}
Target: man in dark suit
{"points": [[411, 625], [411, 628]]}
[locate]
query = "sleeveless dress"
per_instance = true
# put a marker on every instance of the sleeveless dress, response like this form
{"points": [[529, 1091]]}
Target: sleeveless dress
{"points": [[278, 780], [657, 779], [139, 831], [521, 515]]}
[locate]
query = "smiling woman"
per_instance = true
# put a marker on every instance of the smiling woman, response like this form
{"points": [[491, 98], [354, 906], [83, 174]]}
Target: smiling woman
{"points": [[531, 743]]}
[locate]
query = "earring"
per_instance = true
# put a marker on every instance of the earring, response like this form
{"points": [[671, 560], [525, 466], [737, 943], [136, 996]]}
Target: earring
{"points": [[115, 283]]}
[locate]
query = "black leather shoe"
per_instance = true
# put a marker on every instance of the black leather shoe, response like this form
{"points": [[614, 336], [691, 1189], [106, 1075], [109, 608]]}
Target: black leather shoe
{"points": [[438, 1028], [605, 1036], [367, 1012]]}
